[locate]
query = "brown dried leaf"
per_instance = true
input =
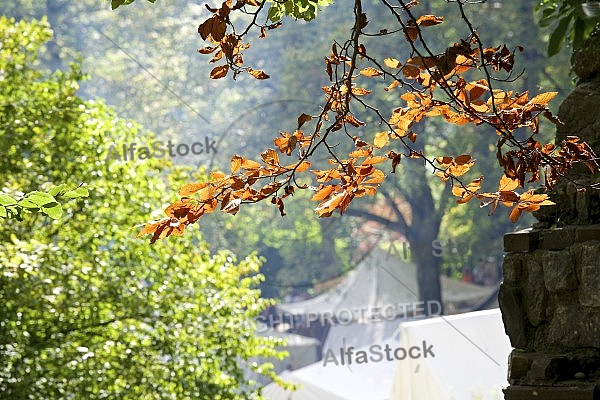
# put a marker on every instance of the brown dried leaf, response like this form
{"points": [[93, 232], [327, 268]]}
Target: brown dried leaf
{"points": [[258, 74], [219, 72], [302, 119], [411, 31]]}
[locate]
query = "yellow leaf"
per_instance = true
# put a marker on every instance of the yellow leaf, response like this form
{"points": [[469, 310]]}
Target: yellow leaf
{"points": [[392, 62], [360, 91], [370, 71], [392, 85], [270, 157], [381, 139]]}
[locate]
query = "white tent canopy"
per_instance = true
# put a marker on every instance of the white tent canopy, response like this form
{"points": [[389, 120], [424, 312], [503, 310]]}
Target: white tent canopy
{"points": [[470, 362], [471, 358], [380, 281]]}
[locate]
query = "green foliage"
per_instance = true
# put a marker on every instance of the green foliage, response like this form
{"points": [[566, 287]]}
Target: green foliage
{"points": [[567, 21], [299, 9], [45, 203], [87, 310]]}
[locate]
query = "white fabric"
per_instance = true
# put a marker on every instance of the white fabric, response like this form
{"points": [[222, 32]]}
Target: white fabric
{"points": [[471, 358], [370, 381], [466, 347]]}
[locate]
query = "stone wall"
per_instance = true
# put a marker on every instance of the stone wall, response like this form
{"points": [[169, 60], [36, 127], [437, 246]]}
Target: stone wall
{"points": [[550, 302]]}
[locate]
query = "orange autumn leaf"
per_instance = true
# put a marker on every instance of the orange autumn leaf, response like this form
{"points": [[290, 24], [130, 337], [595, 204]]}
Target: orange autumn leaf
{"points": [[543, 98], [323, 192], [429, 20], [191, 188], [507, 183]]}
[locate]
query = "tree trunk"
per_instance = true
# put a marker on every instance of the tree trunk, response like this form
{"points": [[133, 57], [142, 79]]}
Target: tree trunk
{"points": [[328, 246], [428, 263]]}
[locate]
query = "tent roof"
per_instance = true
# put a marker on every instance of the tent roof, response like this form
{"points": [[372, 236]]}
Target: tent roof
{"points": [[381, 280]]}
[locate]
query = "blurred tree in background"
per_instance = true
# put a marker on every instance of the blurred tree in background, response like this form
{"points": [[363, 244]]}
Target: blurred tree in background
{"points": [[86, 311]]}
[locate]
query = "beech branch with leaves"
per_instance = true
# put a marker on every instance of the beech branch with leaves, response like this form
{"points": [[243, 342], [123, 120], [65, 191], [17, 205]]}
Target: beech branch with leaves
{"points": [[39, 202], [457, 85]]}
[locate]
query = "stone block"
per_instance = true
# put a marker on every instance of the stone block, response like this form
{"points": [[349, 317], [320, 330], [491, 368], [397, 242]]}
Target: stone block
{"points": [[534, 294], [512, 268], [518, 365], [548, 368], [572, 326], [587, 232], [557, 239], [513, 315], [525, 240], [589, 293], [559, 271], [579, 392]]}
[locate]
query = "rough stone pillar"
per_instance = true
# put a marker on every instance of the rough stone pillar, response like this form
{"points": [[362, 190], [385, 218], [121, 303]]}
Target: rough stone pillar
{"points": [[550, 295], [550, 302]]}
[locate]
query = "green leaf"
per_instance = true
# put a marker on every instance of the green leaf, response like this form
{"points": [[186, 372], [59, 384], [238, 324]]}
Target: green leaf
{"points": [[558, 36], [40, 199], [57, 189], [76, 193], [3, 213], [53, 210], [26, 203], [6, 200], [548, 16], [275, 13], [117, 3]]}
